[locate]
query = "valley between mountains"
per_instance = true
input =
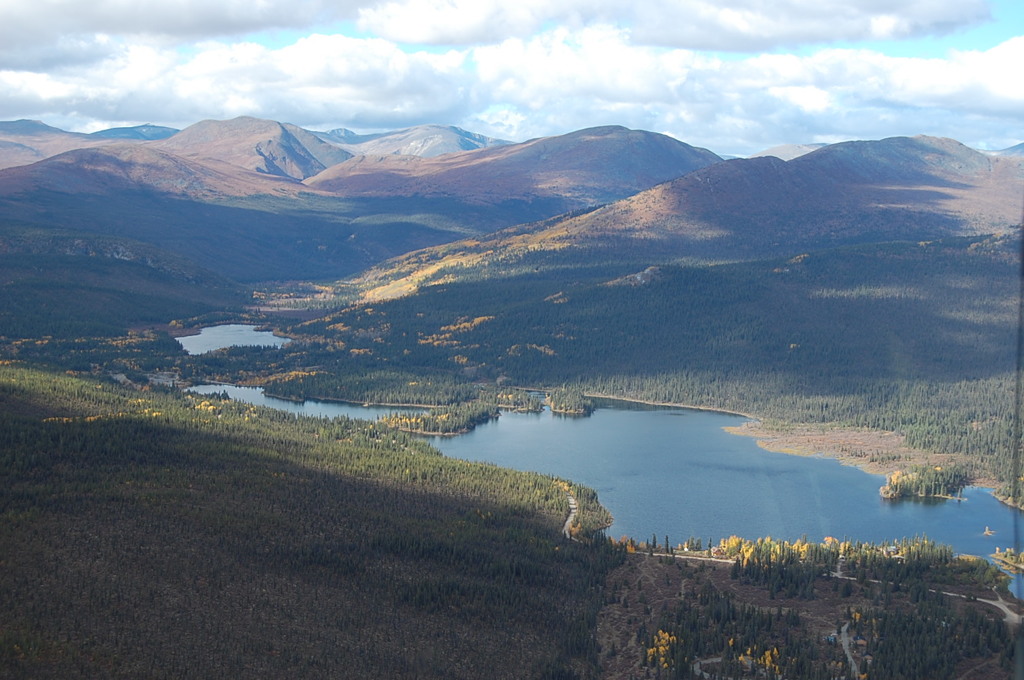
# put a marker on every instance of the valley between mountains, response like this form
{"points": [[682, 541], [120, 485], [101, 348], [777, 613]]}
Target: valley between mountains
{"points": [[863, 294]]}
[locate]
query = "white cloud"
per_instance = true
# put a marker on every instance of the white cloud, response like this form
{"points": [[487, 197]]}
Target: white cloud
{"points": [[751, 25], [560, 81], [319, 79], [580, 73], [27, 21], [453, 21], [596, 64], [737, 25], [805, 97], [59, 31]]}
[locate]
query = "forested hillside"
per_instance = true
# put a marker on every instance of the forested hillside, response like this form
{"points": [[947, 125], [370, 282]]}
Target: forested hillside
{"points": [[908, 337], [170, 536]]}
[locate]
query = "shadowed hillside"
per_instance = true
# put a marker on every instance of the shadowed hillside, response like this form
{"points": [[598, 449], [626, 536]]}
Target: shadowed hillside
{"points": [[173, 536]]}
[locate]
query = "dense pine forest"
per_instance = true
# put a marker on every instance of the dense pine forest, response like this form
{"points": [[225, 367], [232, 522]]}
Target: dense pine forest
{"points": [[150, 534]]}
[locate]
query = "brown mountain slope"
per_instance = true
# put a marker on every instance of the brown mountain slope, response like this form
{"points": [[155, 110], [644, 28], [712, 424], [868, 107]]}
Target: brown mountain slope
{"points": [[27, 141], [207, 194], [581, 168], [263, 146], [899, 188], [126, 166], [918, 188]]}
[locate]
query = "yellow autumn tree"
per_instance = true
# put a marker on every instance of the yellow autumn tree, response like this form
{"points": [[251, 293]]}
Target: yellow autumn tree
{"points": [[660, 653]]}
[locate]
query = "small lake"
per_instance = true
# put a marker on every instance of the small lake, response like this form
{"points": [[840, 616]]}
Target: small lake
{"points": [[229, 335], [675, 471]]}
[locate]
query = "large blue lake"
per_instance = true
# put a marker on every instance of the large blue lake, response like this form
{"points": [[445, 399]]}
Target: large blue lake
{"points": [[676, 472]]}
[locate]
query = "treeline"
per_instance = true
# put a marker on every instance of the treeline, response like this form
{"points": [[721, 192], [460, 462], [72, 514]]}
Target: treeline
{"points": [[916, 560], [783, 568], [1011, 558], [178, 535], [569, 402], [359, 382], [446, 420], [791, 569], [968, 417]]}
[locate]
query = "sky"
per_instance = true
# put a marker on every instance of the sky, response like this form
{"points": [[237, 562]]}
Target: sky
{"points": [[732, 76]]}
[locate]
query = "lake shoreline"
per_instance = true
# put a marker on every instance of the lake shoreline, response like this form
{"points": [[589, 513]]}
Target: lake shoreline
{"points": [[875, 452]]}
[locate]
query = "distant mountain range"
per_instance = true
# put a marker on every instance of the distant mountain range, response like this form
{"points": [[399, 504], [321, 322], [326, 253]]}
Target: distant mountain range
{"points": [[28, 141], [260, 200], [897, 189], [788, 152], [38, 140], [422, 140], [586, 167]]}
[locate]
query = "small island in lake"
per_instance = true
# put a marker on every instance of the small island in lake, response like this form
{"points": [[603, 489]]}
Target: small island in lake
{"points": [[925, 481], [569, 402]]}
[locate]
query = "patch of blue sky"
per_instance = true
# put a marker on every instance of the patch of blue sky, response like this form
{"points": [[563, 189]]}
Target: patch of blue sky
{"points": [[1006, 22]]}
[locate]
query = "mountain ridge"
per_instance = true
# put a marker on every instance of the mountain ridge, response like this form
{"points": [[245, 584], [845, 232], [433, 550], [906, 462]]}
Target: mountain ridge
{"points": [[27, 141], [900, 188], [613, 187], [235, 186], [147, 131], [264, 146], [23, 142], [573, 166]]}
